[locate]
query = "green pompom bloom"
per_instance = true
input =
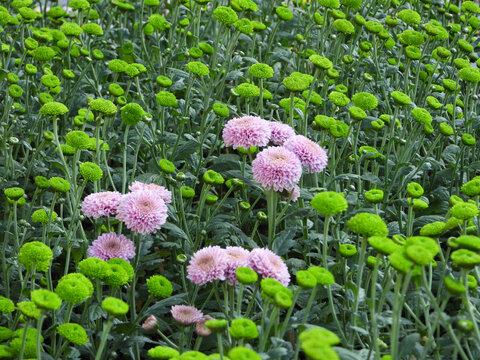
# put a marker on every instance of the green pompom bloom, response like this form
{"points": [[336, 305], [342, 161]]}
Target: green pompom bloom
{"points": [[132, 114], [45, 299], [243, 329], [247, 90], [6, 305], [117, 276], [465, 258], [53, 109], [347, 250], [164, 81], [468, 139], [284, 13], [455, 287], [246, 275], [90, 171], [296, 83], [401, 98], [74, 333], [261, 71], [77, 139], [114, 306], [339, 98], [323, 336], [216, 325], [402, 263], [158, 22], [198, 68], [163, 352], [221, 109], [321, 62], [329, 203], [305, 279], [213, 178], [106, 107], [322, 275], [243, 353], [433, 229], [166, 98], [74, 288], [42, 216], [159, 286], [94, 268], [225, 15], [415, 190], [36, 254], [187, 192], [166, 166], [125, 265], [29, 309], [464, 211], [14, 193], [366, 224], [374, 196], [71, 29]]}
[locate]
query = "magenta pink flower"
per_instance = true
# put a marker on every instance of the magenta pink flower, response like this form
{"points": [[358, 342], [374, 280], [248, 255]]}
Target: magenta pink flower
{"points": [[200, 327], [280, 132], [236, 257], [101, 204], [150, 323], [311, 155], [111, 245], [207, 264], [142, 211], [277, 168], [165, 194], [186, 315], [246, 131], [269, 265]]}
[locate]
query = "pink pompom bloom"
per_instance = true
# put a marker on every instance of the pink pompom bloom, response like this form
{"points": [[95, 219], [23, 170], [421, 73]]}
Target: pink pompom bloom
{"points": [[111, 245], [246, 131], [101, 204], [280, 132], [142, 211], [150, 323], [207, 265], [277, 168], [236, 257], [269, 265], [311, 155], [186, 315], [165, 194]]}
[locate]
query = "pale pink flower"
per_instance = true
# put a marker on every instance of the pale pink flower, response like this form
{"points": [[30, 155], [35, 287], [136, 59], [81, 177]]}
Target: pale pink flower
{"points": [[142, 211], [207, 265], [101, 204], [150, 323], [236, 257], [269, 265], [311, 155], [292, 195], [246, 131], [164, 193], [277, 168], [112, 245], [200, 327], [280, 132], [186, 315]]}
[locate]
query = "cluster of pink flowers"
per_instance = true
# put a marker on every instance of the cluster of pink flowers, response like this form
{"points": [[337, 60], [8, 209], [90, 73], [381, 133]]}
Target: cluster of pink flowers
{"points": [[214, 263], [143, 209], [277, 167]]}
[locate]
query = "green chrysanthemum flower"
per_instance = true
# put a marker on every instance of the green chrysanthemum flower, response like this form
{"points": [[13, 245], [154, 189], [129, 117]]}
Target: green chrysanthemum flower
{"points": [[159, 286], [464, 211], [74, 333], [36, 254], [329, 203], [366, 224], [45, 299], [114, 306], [74, 288]]}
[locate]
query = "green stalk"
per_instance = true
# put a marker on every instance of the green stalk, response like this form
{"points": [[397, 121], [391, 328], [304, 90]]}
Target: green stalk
{"points": [[106, 331], [272, 198], [41, 317]]}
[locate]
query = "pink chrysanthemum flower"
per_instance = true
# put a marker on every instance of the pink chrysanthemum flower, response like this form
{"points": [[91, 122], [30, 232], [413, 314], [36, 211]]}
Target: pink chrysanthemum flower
{"points": [[165, 194], [277, 168], [143, 211], [150, 323], [269, 265], [246, 131], [293, 195], [186, 315], [101, 204], [200, 327], [207, 264], [236, 257], [311, 155], [280, 132], [111, 245]]}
